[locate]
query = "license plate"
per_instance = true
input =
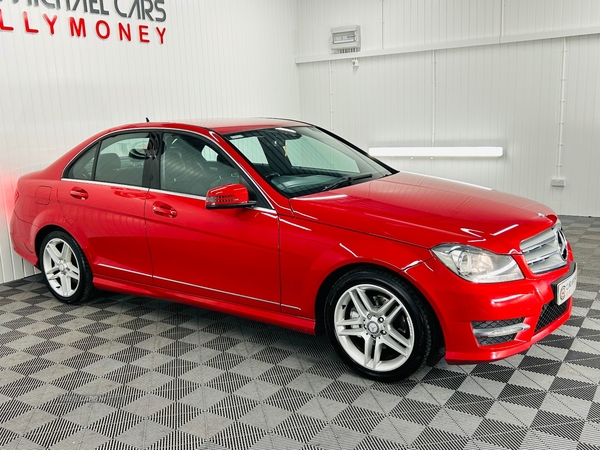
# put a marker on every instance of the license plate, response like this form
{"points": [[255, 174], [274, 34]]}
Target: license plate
{"points": [[566, 288]]}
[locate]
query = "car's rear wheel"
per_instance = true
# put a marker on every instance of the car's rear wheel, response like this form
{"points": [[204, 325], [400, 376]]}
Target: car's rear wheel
{"points": [[378, 324], [66, 271]]}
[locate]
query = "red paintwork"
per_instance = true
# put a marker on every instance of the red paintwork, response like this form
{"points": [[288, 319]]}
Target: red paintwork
{"points": [[270, 264], [219, 254], [426, 211], [111, 223], [230, 194]]}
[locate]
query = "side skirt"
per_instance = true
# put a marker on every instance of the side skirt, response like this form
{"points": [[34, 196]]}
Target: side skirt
{"points": [[300, 324]]}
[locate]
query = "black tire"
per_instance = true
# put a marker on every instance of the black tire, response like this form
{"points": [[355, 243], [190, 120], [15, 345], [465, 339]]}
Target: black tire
{"points": [[65, 268], [384, 327]]}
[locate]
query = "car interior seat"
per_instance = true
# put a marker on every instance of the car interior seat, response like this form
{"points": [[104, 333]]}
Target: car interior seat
{"points": [[107, 167]]}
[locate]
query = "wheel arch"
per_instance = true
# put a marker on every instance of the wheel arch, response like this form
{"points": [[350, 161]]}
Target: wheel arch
{"points": [[74, 269], [338, 273], [330, 280], [45, 231]]}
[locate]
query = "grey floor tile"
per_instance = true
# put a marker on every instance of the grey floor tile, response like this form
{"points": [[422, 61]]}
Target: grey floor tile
{"points": [[397, 430], [89, 413], [123, 372], [81, 440], [25, 422], [265, 416], [144, 434], [206, 425]]}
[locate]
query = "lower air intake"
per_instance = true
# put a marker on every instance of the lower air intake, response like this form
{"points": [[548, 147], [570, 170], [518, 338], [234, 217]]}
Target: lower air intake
{"points": [[550, 312]]}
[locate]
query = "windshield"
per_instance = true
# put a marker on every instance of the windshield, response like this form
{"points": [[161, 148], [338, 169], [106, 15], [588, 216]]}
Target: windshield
{"points": [[305, 160]]}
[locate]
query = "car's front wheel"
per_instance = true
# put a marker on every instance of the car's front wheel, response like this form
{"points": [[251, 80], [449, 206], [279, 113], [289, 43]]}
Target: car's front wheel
{"points": [[378, 324], [65, 269]]}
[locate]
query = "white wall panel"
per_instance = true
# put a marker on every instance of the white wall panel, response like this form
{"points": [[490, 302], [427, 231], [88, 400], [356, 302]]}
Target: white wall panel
{"points": [[499, 95], [483, 92], [317, 17], [219, 59], [378, 103], [395, 106], [581, 154], [236, 58], [396, 23], [417, 22], [315, 82], [536, 16]]}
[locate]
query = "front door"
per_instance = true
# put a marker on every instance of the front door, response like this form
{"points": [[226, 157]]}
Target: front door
{"points": [[229, 254]]}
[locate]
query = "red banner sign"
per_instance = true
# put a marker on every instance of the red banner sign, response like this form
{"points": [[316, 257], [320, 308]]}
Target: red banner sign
{"points": [[151, 12]]}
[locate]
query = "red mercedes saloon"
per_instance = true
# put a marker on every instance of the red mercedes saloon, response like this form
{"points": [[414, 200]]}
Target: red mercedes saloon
{"points": [[284, 222]]}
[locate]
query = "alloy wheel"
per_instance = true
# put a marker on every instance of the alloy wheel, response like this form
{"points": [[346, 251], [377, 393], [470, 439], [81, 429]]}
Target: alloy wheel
{"points": [[61, 267], [374, 327]]}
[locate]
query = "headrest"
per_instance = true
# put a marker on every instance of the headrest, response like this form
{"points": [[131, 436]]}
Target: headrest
{"points": [[109, 161]]}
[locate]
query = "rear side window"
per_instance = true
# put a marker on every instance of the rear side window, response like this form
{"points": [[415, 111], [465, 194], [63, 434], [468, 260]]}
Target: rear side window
{"points": [[118, 159], [83, 167], [121, 159]]}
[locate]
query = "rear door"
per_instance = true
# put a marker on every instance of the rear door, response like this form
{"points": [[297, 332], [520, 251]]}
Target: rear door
{"points": [[102, 195]]}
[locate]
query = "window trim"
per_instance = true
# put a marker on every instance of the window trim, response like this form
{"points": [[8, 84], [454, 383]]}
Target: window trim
{"points": [[108, 184], [160, 131], [101, 147], [264, 200], [98, 142], [228, 137]]}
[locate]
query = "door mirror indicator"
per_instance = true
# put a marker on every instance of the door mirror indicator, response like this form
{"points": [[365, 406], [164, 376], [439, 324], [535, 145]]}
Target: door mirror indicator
{"points": [[228, 196]]}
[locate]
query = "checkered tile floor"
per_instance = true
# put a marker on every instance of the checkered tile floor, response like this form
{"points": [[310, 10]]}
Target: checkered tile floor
{"points": [[125, 372]]}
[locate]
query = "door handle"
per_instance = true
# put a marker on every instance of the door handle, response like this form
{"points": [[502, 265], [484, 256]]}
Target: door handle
{"points": [[162, 209], [79, 194]]}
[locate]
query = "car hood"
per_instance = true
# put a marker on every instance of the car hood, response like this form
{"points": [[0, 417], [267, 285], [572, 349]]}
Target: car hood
{"points": [[428, 211]]}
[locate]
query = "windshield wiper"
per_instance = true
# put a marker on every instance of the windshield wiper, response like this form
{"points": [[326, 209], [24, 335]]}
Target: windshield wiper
{"points": [[346, 181]]}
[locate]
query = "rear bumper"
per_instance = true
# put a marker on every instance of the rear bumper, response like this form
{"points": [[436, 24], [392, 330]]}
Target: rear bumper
{"points": [[21, 234], [470, 313]]}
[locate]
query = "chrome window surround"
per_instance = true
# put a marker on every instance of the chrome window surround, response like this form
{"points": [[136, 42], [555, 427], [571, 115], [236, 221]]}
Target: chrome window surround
{"points": [[162, 130]]}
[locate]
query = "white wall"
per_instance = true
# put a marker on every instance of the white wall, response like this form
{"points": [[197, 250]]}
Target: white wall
{"points": [[219, 59], [465, 72], [468, 72]]}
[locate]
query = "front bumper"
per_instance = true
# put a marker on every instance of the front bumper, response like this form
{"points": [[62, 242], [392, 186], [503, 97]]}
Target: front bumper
{"points": [[487, 322]]}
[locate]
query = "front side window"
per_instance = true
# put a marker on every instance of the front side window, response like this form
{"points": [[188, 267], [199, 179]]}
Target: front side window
{"points": [[305, 160], [191, 165]]}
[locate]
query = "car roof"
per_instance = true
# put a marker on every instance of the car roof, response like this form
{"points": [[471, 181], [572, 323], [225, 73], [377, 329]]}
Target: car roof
{"points": [[226, 126], [221, 126]]}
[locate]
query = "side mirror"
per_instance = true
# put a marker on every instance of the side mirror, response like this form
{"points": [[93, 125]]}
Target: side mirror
{"points": [[228, 196]]}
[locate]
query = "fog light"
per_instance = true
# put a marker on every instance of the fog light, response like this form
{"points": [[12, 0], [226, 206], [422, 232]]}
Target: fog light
{"points": [[498, 331]]}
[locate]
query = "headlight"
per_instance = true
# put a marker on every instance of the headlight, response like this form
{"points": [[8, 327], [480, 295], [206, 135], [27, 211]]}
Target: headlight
{"points": [[478, 265]]}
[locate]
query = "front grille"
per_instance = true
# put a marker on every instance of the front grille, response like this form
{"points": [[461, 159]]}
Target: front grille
{"points": [[546, 251], [550, 312]]}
